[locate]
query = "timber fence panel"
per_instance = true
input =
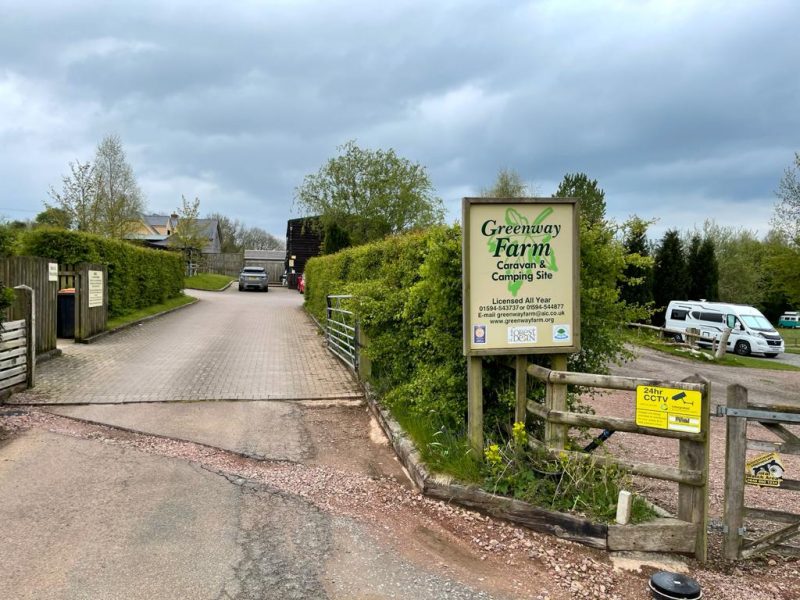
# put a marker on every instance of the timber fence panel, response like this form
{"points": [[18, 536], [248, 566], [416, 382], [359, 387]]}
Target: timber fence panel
{"points": [[34, 272]]}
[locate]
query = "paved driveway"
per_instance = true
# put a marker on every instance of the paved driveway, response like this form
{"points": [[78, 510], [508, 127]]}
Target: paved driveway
{"points": [[228, 346]]}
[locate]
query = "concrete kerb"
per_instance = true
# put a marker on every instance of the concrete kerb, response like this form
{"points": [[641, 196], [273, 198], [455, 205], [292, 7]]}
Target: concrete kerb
{"points": [[515, 511], [102, 334], [222, 289]]}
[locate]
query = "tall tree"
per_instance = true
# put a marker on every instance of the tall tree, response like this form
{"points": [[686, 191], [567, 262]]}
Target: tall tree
{"points": [[229, 230], [670, 279], [509, 184], [637, 285], [786, 218], [370, 194], [602, 264], [742, 276], [119, 199], [694, 288], [592, 197], [78, 196]]}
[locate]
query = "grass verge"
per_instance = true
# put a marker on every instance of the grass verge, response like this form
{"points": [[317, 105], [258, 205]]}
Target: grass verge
{"points": [[149, 311], [207, 281], [656, 342], [791, 338]]}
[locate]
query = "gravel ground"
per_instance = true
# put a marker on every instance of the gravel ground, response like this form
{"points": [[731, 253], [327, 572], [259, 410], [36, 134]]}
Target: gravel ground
{"points": [[463, 546]]}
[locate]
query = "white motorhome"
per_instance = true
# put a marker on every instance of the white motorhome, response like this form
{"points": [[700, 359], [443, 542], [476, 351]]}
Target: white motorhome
{"points": [[750, 330]]}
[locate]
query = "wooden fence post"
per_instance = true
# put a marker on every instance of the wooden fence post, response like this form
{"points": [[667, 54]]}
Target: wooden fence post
{"points": [[475, 404], [521, 388], [735, 458], [555, 436], [26, 300], [692, 499]]}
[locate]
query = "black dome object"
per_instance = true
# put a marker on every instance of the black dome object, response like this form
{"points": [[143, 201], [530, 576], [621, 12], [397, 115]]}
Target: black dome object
{"points": [[674, 586]]}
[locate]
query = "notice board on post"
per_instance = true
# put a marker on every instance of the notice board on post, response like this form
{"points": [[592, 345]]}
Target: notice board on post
{"points": [[521, 276]]}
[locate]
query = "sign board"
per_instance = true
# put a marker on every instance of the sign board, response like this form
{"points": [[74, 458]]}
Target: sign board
{"points": [[765, 470], [52, 271], [668, 408], [95, 289], [521, 276]]}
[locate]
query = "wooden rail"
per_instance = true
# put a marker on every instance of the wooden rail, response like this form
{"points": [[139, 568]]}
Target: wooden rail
{"points": [[689, 532]]}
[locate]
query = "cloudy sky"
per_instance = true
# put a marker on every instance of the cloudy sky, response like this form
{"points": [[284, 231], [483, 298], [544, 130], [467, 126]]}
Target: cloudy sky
{"points": [[683, 111]]}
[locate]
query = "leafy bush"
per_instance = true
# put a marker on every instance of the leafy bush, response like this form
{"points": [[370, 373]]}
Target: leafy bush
{"points": [[137, 277]]}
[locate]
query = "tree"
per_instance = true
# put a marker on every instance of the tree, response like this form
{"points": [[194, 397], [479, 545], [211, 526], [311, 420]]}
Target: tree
{"points": [[593, 199], [509, 184], [229, 230], [694, 269], [370, 194], [786, 218], [78, 196], [119, 199], [637, 285], [255, 238], [54, 217], [741, 274], [189, 236], [670, 279], [704, 272]]}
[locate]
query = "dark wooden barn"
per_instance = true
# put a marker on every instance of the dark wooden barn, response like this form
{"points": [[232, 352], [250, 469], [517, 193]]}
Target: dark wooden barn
{"points": [[303, 241]]}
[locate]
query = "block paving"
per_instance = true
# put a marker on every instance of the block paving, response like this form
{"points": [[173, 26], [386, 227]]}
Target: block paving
{"points": [[228, 346]]}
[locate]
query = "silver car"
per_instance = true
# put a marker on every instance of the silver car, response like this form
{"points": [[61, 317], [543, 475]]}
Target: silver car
{"points": [[253, 278]]}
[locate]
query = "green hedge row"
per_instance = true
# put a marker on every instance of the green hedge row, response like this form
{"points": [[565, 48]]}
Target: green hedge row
{"points": [[137, 277], [407, 293]]}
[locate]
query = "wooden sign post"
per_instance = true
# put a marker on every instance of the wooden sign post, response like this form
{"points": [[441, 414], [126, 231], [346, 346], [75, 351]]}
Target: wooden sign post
{"points": [[521, 277]]}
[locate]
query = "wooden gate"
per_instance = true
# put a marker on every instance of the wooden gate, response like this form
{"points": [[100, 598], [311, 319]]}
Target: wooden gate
{"points": [[35, 273], [91, 300], [737, 474]]}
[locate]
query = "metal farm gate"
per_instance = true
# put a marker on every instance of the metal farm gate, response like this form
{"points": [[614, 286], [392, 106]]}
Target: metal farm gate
{"points": [[341, 330]]}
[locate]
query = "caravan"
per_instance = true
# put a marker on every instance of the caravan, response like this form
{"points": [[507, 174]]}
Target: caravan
{"points": [[750, 330]]}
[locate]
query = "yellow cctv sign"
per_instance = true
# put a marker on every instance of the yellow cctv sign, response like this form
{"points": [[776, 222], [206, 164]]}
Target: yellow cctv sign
{"points": [[668, 408]]}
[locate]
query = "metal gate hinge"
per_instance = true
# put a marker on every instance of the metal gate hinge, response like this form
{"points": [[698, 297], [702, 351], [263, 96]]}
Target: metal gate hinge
{"points": [[740, 531]]}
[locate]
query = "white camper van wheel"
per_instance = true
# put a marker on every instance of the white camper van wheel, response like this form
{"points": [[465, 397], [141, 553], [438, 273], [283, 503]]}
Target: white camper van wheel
{"points": [[742, 348], [678, 338]]}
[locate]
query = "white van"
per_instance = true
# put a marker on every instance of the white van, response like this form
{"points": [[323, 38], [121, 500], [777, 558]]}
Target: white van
{"points": [[750, 330]]}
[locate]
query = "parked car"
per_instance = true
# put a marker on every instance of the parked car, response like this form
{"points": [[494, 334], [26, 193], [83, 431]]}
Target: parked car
{"points": [[301, 284], [253, 278]]}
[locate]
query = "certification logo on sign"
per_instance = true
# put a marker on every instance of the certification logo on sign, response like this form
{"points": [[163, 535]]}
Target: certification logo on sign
{"points": [[668, 408]]}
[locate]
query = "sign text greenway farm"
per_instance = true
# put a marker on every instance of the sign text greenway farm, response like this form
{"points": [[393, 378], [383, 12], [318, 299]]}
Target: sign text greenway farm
{"points": [[520, 276]]}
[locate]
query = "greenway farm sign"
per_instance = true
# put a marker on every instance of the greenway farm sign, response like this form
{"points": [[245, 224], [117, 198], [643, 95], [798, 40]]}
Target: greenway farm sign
{"points": [[521, 275]]}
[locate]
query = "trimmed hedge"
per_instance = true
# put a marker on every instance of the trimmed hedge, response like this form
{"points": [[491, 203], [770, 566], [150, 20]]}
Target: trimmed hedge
{"points": [[407, 292], [137, 277]]}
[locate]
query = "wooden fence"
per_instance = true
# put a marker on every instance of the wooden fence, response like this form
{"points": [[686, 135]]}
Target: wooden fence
{"points": [[738, 413], [687, 533], [17, 353], [35, 273], [223, 264]]}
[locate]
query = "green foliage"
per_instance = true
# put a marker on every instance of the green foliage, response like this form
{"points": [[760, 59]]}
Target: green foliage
{"points": [[636, 287], [671, 279], [54, 217], [137, 277], [557, 482], [334, 238], [592, 197], [370, 194]]}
